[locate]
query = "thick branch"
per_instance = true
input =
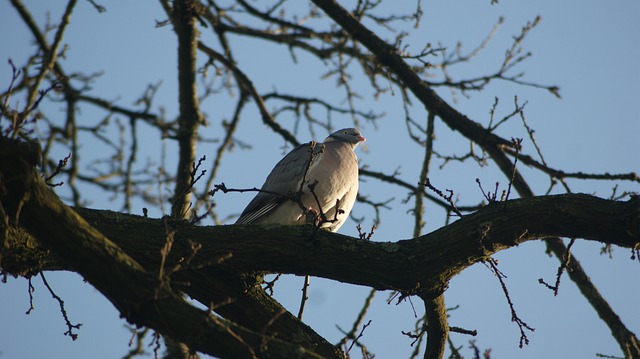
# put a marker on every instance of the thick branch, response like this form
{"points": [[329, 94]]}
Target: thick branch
{"points": [[427, 262], [437, 326], [184, 21]]}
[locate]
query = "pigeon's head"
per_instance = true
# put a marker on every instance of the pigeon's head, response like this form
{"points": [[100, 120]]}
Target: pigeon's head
{"points": [[348, 135]]}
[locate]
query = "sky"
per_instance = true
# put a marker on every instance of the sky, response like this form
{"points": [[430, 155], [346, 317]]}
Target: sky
{"points": [[589, 49]]}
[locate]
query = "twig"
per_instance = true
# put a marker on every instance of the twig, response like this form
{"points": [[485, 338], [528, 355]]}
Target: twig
{"points": [[561, 268], [517, 144], [138, 338], [448, 198], [224, 189], [61, 164], [303, 299], [514, 316], [416, 336], [359, 336], [70, 327], [608, 356], [194, 177], [30, 290], [635, 253], [366, 236], [463, 331], [15, 73], [269, 285], [356, 323], [487, 195], [155, 342]]}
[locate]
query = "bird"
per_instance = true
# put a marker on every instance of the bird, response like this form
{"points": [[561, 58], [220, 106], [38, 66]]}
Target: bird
{"points": [[311, 183]]}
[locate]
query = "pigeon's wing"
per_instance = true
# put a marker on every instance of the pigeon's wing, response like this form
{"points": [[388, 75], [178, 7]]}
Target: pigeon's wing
{"points": [[283, 181]]}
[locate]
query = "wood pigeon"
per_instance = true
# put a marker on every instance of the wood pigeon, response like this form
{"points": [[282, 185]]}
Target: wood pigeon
{"points": [[312, 180]]}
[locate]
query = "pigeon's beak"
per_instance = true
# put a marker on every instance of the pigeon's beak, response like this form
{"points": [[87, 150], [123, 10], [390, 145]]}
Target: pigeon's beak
{"points": [[362, 139]]}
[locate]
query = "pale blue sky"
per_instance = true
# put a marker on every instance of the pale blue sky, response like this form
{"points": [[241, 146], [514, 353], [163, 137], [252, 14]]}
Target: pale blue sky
{"points": [[589, 49]]}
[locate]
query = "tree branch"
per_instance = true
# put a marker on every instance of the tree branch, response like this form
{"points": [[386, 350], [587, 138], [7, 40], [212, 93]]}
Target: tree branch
{"points": [[426, 262], [437, 326], [184, 22]]}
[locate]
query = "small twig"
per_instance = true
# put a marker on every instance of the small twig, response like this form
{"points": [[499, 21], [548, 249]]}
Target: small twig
{"points": [[514, 316], [476, 351], [20, 119], [269, 285], [448, 198], [312, 156], [376, 206], [194, 171], [30, 290], [635, 252], [138, 338], [455, 351], [15, 73], [400, 296], [463, 331], [356, 323], [70, 327], [199, 218], [488, 195], [337, 211], [421, 330], [519, 109], [366, 236], [517, 144], [98, 7], [223, 187], [194, 177], [155, 342], [61, 164], [608, 356], [359, 336], [561, 268], [305, 296], [320, 217]]}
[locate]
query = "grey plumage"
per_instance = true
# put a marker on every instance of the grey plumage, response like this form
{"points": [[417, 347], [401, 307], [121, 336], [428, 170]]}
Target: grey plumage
{"points": [[332, 163]]}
